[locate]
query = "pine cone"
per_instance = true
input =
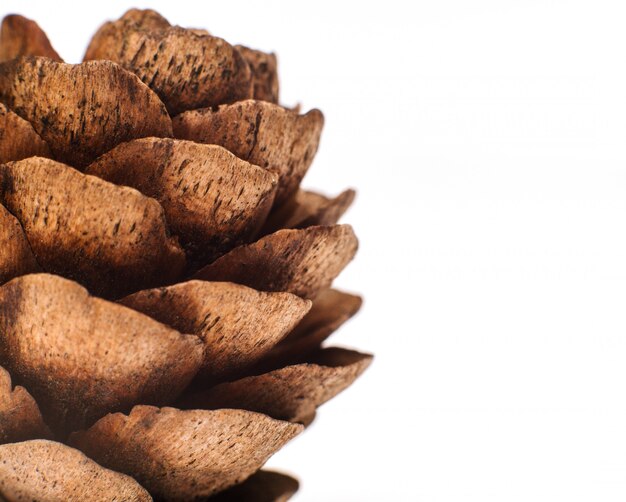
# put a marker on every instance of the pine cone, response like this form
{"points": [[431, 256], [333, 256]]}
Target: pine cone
{"points": [[165, 284]]}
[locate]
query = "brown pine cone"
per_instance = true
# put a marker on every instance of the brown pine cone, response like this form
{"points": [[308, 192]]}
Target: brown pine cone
{"points": [[165, 283]]}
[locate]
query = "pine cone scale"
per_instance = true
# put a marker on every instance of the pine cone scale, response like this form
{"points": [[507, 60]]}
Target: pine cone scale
{"points": [[262, 133], [20, 36], [157, 447], [16, 256], [111, 238], [212, 199], [20, 417], [37, 467], [238, 325], [18, 139], [82, 357], [81, 111], [302, 262], [291, 393], [186, 70]]}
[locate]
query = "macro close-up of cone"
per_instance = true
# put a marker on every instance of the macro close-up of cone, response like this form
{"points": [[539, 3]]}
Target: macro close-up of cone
{"points": [[166, 285]]}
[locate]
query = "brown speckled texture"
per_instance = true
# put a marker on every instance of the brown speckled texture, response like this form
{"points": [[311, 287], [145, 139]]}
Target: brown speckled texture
{"points": [[262, 133], [18, 139], [146, 19], [160, 182], [112, 239], [237, 324], [186, 69], [20, 36], [303, 262], [47, 471], [330, 310], [81, 111], [20, 418], [213, 201], [264, 68], [182, 455], [16, 257], [307, 208], [82, 357], [291, 393]]}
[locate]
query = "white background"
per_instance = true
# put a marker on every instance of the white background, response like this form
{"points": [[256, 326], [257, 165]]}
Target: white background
{"points": [[487, 142]]}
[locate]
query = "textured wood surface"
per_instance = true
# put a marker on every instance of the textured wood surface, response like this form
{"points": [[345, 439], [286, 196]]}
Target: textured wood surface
{"points": [[18, 139], [20, 36], [291, 393], [330, 310], [82, 111], [262, 133], [264, 68], [47, 471], [182, 455], [110, 238], [146, 19], [213, 201], [307, 208], [82, 357], [303, 262], [20, 417], [186, 69], [16, 257], [238, 325], [164, 157]]}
